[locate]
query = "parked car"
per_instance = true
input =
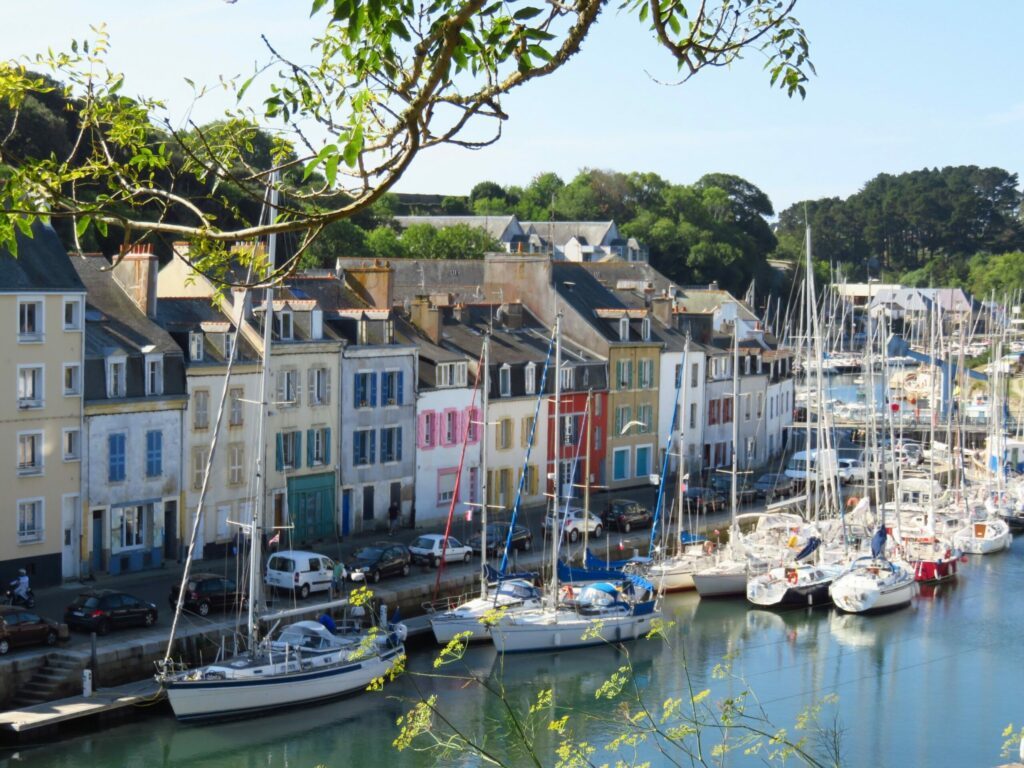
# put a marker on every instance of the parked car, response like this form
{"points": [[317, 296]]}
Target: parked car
{"points": [[497, 535], [701, 498], [20, 627], [299, 572], [721, 483], [207, 592], [101, 610], [626, 514], [385, 558], [572, 522], [773, 485], [428, 549], [851, 471]]}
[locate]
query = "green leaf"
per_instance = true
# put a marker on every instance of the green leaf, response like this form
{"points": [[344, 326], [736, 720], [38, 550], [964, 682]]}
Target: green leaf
{"points": [[526, 13], [82, 225]]}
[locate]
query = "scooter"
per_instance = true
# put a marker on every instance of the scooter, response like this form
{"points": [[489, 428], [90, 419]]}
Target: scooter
{"points": [[10, 598]]}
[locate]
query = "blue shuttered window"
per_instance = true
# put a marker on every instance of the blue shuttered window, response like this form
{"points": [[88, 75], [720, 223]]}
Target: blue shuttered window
{"points": [[116, 457], [310, 446], [154, 453], [398, 434], [359, 390], [373, 447], [373, 390], [398, 394], [297, 449], [327, 445], [279, 463]]}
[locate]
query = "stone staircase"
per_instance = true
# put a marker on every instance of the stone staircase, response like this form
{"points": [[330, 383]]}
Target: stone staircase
{"points": [[59, 677]]}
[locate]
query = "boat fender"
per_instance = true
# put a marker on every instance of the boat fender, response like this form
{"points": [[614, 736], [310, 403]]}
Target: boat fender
{"points": [[402, 632], [709, 547]]}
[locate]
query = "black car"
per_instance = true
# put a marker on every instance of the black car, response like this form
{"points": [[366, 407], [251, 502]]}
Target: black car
{"points": [[384, 558], [698, 497], [207, 592], [773, 485], [624, 515], [497, 535], [722, 484], [101, 610]]}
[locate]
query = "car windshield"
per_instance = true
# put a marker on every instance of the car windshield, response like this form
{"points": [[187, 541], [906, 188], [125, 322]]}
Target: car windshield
{"points": [[87, 601], [369, 553], [423, 542], [281, 564]]}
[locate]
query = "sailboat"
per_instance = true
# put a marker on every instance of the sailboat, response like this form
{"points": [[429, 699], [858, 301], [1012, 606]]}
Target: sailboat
{"points": [[873, 584], [307, 661], [600, 612]]}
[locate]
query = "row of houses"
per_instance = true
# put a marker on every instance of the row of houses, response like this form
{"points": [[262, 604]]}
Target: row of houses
{"points": [[126, 418]]}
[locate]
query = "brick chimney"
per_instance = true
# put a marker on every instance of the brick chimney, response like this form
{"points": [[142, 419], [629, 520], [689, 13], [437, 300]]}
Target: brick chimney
{"points": [[136, 273], [373, 283], [661, 308], [426, 317]]}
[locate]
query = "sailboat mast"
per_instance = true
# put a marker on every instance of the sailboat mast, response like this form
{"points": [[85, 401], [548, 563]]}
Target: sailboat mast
{"points": [[485, 366], [679, 444], [556, 528], [735, 409], [256, 524]]}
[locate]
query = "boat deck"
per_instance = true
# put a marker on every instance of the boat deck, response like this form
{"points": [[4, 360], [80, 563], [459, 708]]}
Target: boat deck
{"points": [[102, 701]]}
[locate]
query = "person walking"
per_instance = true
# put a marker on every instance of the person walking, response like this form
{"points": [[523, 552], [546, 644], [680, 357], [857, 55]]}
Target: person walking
{"points": [[393, 518]]}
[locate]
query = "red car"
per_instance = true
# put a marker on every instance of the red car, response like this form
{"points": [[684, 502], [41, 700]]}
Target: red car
{"points": [[21, 627]]}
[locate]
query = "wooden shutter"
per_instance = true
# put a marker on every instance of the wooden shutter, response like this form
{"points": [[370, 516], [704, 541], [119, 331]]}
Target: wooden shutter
{"points": [[327, 446], [280, 452], [399, 386], [309, 448]]}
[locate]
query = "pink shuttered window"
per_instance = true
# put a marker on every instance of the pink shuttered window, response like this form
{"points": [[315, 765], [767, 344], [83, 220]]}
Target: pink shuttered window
{"points": [[426, 432]]}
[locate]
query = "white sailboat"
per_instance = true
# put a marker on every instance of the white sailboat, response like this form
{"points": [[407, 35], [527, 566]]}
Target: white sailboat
{"points": [[873, 584], [306, 661], [601, 612]]}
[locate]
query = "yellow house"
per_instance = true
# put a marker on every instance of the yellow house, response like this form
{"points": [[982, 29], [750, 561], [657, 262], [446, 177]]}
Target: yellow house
{"points": [[41, 354]]}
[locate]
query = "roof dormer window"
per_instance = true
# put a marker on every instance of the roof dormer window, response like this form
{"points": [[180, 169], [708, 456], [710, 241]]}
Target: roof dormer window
{"points": [[316, 324], [283, 329], [624, 329], [505, 380], [195, 346], [530, 382], [154, 374], [645, 329]]}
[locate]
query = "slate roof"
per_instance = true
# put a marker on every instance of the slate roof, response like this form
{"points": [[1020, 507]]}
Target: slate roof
{"points": [[501, 228], [586, 294], [41, 266], [560, 232], [179, 316]]}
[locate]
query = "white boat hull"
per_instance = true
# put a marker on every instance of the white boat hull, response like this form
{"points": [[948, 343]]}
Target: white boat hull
{"points": [[857, 593], [974, 545], [671, 577], [447, 626], [210, 699], [561, 630], [721, 582]]}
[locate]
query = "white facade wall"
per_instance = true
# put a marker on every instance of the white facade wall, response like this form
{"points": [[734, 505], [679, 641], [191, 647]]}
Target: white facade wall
{"points": [[438, 456], [692, 395], [502, 492]]}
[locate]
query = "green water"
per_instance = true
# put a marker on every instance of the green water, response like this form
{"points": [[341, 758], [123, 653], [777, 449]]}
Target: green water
{"points": [[931, 685]]}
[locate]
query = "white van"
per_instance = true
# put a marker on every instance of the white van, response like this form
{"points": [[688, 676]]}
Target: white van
{"points": [[812, 466], [300, 572]]}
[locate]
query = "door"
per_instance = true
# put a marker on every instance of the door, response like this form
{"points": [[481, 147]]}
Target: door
{"points": [[70, 515], [346, 511], [97, 541], [171, 531], [396, 495], [367, 502]]}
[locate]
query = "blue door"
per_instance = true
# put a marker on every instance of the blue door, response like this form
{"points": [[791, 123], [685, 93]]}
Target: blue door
{"points": [[346, 509]]}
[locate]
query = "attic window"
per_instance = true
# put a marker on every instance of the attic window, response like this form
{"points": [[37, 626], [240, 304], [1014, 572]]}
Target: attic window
{"points": [[646, 329], [623, 329], [530, 382], [195, 346], [283, 326], [505, 380]]}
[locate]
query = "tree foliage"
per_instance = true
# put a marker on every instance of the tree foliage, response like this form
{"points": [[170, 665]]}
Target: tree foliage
{"points": [[383, 82]]}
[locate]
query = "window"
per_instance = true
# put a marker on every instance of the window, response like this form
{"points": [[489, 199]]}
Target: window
{"points": [[236, 460], [391, 387], [530, 378], [645, 415], [746, 406], [319, 386], [235, 396], [597, 438], [30, 520], [154, 453], [645, 329], [428, 426], [133, 519], [30, 386], [694, 373], [567, 377], [116, 458], [72, 379], [200, 458], [693, 415], [363, 447], [531, 480], [527, 431], [643, 460], [713, 411], [503, 439], [391, 444], [623, 329], [472, 425], [624, 374], [505, 381], [760, 404], [72, 314], [623, 414], [646, 373], [746, 365], [229, 345], [451, 374], [117, 383], [446, 485], [283, 325], [727, 410], [72, 444], [318, 446], [30, 320], [451, 428], [288, 388], [289, 450], [30, 453], [154, 374], [569, 430], [201, 409], [365, 390], [679, 374], [620, 464], [195, 346]]}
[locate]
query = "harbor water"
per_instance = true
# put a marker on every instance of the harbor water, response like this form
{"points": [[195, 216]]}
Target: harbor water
{"points": [[934, 684]]}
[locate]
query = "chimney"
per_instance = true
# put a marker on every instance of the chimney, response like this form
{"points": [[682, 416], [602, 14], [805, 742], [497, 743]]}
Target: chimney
{"points": [[426, 317], [136, 273], [514, 316], [373, 283], [661, 308]]}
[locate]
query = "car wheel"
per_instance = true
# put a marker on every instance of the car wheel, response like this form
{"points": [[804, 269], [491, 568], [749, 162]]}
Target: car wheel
{"points": [[204, 608], [405, 569], [150, 619], [626, 527], [468, 556], [574, 536], [5, 646], [103, 627], [598, 532], [527, 545], [51, 638], [304, 591], [375, 575], [434, 561]]}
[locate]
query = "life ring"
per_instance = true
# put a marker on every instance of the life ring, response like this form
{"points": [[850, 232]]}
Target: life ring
{"points": [[792, 576], [852, 502], [567, 593], [709, 547]]}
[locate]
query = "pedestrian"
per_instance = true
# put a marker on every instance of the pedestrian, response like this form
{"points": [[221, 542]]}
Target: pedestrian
{"points": [[412, 515], [338, 580], [393, 518]]}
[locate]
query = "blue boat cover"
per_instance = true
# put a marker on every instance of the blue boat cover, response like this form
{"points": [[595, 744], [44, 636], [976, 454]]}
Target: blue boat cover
{"points": [[590, 560], [812, 544], [685, 537], [568, 573], [878, 542]]}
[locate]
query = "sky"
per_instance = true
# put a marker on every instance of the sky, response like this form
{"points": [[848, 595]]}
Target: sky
{"points": [[900, 86]]}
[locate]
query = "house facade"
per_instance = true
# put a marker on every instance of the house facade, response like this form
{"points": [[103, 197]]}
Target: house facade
{"points": [[41, 352]]}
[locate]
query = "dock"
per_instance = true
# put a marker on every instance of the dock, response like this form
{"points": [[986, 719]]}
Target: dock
{"points": [[102, 702]]}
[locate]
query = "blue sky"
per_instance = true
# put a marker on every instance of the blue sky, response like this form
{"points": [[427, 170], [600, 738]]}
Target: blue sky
{"points": [[900, 86]]}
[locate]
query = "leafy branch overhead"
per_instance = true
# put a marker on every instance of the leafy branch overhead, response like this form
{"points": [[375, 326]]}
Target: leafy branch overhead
{"points": [[383, 82]]}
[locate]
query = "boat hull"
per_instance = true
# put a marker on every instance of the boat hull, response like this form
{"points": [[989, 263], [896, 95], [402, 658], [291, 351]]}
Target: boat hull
{"points": [[197, 700], [721, 584], [973, 545], [862, 597], [931, 571], [447, 627], [546, 632], [800, 595]]}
